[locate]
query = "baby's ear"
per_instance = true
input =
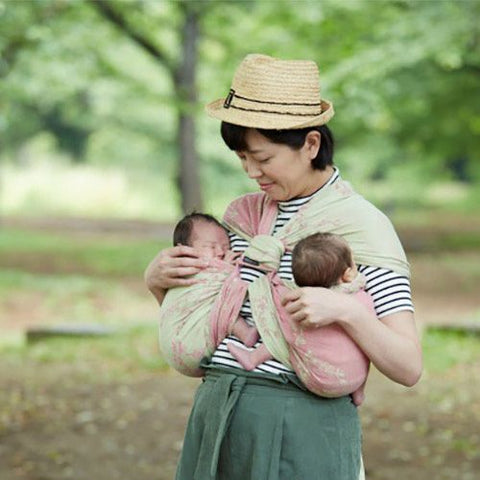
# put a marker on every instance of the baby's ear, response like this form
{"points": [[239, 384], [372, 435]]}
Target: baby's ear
{"points": [[348, 275]]}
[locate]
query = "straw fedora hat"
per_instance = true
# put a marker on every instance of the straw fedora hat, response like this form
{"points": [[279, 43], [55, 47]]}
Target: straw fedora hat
{"points": [[270, 93]]}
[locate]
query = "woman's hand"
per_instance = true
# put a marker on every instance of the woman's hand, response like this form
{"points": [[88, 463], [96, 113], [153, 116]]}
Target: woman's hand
{"points": [[172, 267], [316, 306]]}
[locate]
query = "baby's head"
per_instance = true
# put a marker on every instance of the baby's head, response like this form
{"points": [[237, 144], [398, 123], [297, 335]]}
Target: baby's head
{"points": [[322, 260], [203, 232]]}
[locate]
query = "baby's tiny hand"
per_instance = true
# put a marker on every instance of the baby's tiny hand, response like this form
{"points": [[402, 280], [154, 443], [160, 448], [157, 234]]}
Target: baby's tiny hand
{"points": [[231, 256]]}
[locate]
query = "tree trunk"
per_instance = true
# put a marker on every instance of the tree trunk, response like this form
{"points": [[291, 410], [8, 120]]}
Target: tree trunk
{"points": [[185, 76]]}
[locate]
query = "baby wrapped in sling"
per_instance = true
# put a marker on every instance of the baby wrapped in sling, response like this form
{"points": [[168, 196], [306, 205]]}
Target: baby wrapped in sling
{"points": [[195, 319]]}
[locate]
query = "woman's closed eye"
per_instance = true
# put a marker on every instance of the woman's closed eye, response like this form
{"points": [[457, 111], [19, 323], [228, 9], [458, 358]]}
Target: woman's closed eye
{"points": [[243, 158]]}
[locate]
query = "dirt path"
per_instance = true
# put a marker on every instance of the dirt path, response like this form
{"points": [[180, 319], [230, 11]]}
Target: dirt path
{"points": [[133, 430]]}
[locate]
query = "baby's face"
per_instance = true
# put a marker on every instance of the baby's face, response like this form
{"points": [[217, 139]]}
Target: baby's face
{"points": [[210, 239]]}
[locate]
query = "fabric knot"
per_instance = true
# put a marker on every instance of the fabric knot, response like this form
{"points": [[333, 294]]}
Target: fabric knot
{"points": [[266, 250]]}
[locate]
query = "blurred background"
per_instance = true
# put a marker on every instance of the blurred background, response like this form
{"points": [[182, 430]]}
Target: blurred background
{"points": [[104, 143]]}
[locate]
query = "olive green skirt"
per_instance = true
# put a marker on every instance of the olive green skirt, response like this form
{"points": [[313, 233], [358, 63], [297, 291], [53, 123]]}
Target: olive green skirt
{"points": [[246, 426]]}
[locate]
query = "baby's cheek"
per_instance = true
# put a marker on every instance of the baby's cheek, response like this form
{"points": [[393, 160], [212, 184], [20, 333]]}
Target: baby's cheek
{"points": [[207, 252]]}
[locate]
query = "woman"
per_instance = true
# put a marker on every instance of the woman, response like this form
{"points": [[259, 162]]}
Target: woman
{"points": [[265, 425]]}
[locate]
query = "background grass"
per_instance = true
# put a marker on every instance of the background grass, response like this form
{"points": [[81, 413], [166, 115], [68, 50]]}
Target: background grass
{"points": [[98, 255], [97, 279], [72, 279], [445, 350]]}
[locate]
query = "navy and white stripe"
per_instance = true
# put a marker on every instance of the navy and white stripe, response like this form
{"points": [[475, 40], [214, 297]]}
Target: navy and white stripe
{"points": [[390, 291]]}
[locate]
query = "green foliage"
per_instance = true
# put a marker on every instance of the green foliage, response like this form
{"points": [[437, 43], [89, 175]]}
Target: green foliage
{"points": [[443, 351], [79, 279], [92, 84], [403, 77]]}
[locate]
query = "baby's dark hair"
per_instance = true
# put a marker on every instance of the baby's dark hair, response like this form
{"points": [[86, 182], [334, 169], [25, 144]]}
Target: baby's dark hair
{"points": [[320, 260], [183, 230]]}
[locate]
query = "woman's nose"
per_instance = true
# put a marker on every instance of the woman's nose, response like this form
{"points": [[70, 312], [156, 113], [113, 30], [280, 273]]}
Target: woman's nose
{"points": [[252, 169]]}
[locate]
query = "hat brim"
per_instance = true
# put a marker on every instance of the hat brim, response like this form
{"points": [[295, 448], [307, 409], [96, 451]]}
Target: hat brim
{"points": [[267, 120]]}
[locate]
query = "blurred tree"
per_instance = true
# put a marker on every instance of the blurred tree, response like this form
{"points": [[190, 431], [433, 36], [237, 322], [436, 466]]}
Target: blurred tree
{"points": [[403, 76], [410, 83], [182, 70], [23, 29]]}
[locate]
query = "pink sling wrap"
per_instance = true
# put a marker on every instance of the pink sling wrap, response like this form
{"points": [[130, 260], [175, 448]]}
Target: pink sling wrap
{"points": [[196, 319]]}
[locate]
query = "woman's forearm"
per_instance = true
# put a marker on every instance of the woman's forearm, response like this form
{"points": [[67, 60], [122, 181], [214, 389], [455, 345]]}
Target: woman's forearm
{"points": [[391, 343]]}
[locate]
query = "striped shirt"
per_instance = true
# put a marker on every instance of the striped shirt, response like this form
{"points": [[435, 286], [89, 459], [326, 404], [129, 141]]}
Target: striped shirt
{"points": [[390, 291]]}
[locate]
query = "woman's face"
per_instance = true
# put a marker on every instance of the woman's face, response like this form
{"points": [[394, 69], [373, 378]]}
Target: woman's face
{"points": [[281, 172]]}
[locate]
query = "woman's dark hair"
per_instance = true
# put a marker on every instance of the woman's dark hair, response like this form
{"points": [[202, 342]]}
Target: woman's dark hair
{"points": [[183, 230], [235, 138]]}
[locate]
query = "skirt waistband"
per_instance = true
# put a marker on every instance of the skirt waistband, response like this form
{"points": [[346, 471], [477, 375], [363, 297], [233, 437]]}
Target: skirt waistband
{"points": [[282, 381]]}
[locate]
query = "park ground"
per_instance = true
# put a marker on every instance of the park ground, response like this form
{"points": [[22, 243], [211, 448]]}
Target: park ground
{"points": [[108, 408]]}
